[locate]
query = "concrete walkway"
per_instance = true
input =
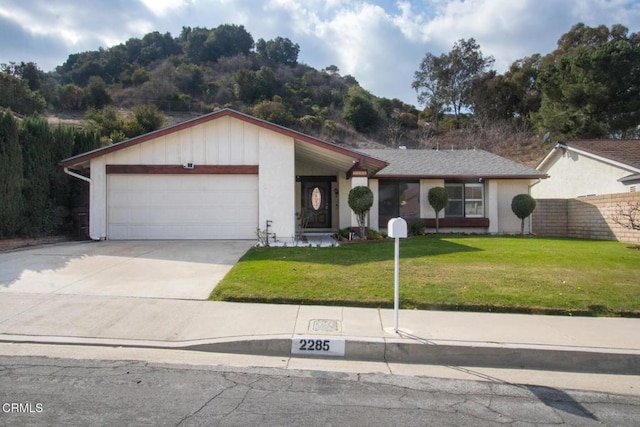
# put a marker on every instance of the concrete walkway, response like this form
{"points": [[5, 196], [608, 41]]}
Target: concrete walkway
{"points": [[572, 344]]}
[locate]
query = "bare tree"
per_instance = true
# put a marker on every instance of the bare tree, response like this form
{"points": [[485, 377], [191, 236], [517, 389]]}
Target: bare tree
{"points": [[628, 216], [394, 131]]}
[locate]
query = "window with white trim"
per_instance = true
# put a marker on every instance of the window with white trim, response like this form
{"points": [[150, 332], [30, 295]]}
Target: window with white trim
{"points": [[466, 200]]}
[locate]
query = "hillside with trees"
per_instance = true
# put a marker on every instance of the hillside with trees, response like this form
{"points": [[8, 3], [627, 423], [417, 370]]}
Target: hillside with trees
{"points": [[588, 87]]}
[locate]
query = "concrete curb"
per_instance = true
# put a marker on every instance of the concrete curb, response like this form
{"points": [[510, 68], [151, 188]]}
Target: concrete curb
{"points": [[443, 353]]}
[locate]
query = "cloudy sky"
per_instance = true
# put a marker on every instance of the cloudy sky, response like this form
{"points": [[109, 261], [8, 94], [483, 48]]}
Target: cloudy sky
{"points": [[379, 42]]}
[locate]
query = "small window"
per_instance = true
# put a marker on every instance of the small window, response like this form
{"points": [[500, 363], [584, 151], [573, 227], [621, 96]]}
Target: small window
{"points": [[466, 200]]}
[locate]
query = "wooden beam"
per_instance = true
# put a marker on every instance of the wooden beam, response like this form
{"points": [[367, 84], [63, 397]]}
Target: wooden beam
{"points": [[181, 170]]}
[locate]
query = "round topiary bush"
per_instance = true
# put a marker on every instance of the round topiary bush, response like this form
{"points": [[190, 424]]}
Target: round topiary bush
{"points": [[523, 205]]}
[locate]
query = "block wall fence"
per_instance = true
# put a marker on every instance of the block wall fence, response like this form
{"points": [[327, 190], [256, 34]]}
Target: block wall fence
{"points": [[584, 217]]}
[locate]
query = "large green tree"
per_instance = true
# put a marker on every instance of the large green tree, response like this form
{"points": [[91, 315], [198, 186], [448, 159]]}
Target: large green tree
{"points": [[444, 82], [279, 50], [15, 94], [360, 111], [591, 84], [227, 40], [509, 96]]}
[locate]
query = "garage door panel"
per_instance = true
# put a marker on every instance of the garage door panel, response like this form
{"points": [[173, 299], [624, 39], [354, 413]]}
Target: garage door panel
{"points": [[182, 206]]}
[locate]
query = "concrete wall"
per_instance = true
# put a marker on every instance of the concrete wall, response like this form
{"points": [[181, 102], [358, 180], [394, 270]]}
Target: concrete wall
{"points": [[550, 217], [575, 175], [584, 217]]}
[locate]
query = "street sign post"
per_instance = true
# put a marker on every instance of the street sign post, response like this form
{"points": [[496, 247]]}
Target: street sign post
{"points": [[397, 228]]}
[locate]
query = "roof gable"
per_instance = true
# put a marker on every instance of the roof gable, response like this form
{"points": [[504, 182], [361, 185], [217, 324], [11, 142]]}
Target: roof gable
{"points": [[450, 164], [625, 151], [624, 154], [85, 157]]}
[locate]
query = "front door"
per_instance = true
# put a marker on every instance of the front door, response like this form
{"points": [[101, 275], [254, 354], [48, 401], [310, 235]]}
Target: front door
{"points": [[316, 203]]}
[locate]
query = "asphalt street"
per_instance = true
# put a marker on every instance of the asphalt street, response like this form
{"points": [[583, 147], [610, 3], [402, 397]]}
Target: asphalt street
{"points": [[56, 391]]}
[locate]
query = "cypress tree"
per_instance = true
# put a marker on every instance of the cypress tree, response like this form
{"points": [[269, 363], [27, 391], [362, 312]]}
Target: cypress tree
{"points": [[63, 141], [11, 177], [39, 172]]}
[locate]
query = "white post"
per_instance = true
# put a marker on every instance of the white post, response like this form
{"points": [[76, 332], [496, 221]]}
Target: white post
{"points": [[397, 228], [396, 298]]}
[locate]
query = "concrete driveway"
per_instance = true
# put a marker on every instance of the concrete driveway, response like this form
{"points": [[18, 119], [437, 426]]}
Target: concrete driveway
{"points": [[152, 269]]}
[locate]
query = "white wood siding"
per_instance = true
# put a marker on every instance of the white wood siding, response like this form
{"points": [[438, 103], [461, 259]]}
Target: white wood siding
{"points": [[225, 141]]}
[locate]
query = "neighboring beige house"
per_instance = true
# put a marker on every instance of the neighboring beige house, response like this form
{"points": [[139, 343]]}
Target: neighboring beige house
{"points": [[589, 168], [226, 174]]}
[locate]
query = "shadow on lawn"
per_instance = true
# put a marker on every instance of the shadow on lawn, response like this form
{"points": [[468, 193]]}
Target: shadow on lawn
{"points": [[365, 252]]}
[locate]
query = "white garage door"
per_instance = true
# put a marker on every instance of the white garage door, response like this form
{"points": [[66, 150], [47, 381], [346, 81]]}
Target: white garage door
{"points": [[182, 206]]}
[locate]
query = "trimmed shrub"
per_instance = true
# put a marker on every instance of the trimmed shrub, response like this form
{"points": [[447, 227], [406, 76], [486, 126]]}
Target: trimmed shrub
{"points": [[438, 199], [523, 205]]}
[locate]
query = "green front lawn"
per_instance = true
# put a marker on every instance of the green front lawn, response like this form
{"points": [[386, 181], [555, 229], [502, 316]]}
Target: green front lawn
{"points": [[481, 273]]}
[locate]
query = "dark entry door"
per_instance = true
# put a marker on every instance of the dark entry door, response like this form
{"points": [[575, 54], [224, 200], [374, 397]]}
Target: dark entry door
{"points": [[316, 201]]}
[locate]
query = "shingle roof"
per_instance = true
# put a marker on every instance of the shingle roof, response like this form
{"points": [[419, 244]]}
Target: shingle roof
{"points": [[449, 164], [624, 151]]}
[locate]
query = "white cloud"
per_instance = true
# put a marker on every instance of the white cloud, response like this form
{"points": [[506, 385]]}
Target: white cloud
{"points": [[52, 22], [356, 36], [162, 7]]}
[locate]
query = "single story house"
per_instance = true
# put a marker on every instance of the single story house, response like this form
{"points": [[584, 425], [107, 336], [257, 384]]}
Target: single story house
{"points": [[589, 168], [226, 174]]}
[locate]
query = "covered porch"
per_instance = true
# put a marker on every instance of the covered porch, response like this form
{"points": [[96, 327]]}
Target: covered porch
{"points": [[324, 175]]}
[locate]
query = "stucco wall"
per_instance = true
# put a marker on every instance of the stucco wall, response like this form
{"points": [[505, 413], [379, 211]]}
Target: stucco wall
{"points": [[426, 211], [98, 200], [574, 175], [277, 184], [508, 222], [584, 217], [344, 186]]}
